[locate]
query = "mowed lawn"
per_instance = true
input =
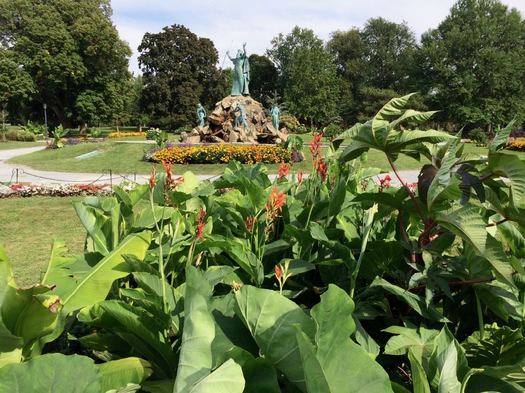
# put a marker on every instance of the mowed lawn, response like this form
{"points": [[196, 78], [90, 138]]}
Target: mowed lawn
{"points": [[28, 227], [127, 159], [7, 145]]}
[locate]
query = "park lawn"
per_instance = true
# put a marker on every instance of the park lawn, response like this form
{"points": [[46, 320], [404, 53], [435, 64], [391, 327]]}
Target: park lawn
{"points": [[126, 158], [18, 145], [28, 227]]}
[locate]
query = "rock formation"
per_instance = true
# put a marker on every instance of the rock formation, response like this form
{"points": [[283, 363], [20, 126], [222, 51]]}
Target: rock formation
{"points": [[220, 127]]}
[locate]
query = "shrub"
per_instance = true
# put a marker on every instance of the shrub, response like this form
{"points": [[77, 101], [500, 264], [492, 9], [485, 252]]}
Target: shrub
{"points": [[20, 135], [151, 134], [33, 128], [223, 153], [182, 129], [332, 130], [479, 136], [120, 134], [517, 144], [302, 129], [290, 122]]}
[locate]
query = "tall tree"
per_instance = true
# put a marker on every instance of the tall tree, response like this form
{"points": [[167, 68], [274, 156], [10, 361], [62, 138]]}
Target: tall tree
{"points": [[307, 75], [347, 51], [71, 51], [179, 71], [473, 64], [388, 54], [263, 82]]}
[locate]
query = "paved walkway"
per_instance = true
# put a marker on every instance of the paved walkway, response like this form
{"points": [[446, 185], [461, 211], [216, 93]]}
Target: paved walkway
{"points": [[25, 174]]}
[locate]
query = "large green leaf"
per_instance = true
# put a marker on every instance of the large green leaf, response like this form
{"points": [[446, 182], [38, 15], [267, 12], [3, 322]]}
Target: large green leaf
{"points": [[314, 376], [512, 168], [228, 378], [195, 361], [96, 283], [51, 373], [419, 377], [117, 374], [270, 318], [443, 175], [391, 111], [502, 137]]}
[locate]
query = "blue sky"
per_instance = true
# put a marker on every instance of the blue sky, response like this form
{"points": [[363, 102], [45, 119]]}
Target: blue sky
{"points": [[230, 23]]}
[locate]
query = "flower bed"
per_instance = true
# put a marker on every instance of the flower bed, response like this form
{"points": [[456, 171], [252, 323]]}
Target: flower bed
{"points": [[517, 144], [120, 134], [221, 154], [59, 190]]}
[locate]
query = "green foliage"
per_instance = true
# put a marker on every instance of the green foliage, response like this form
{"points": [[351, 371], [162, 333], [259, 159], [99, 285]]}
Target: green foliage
{"points": [[58, 133], [290, 122], [69, 56], [325, 283], [332, 130], [472, 64], [306, 74], [479, 136], [263, 78], [174, 85], [19, 135]]}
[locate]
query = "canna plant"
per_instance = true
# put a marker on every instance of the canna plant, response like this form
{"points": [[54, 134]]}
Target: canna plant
{"points": [[332, 282]]}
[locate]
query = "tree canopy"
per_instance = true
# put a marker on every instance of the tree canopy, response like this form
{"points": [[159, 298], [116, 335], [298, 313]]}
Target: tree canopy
{"points": [[179, 71], [71, 53], [307, 75], [473, 64]]}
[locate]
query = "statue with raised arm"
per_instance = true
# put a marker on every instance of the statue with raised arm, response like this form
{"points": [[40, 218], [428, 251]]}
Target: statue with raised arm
{"points": [[275, 112], [201, 115], [240, 115], [241, 73]]}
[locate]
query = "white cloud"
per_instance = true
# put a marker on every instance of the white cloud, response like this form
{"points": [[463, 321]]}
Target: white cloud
{"points": [[229, 23]]}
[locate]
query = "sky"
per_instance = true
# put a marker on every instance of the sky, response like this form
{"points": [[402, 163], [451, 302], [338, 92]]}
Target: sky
{"points": [[230, 23]]}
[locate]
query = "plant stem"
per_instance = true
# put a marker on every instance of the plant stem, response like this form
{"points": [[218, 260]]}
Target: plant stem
{"points": [[480, 317], [410, 193], [161, 254]]}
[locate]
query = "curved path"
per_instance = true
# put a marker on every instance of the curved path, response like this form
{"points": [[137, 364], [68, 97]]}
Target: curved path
{"points": [[8, 173]]}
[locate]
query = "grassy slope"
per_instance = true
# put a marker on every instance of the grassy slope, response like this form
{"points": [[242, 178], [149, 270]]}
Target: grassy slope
{"points": [[28, 227]]}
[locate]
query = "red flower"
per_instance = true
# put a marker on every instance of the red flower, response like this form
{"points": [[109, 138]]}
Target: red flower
{"points": [[16, 186], [153, 178], [384, 183], [278, 272], [249, 223], [321, 168], [283, 170], [315, 145], [201, 223], [275, 203]]}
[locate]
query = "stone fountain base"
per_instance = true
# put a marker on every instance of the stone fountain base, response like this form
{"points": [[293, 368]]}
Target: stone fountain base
{"points": [[220, 127]]}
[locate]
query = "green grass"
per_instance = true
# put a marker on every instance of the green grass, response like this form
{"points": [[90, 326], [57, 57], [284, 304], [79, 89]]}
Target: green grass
{"points": [[16, 145], [28, 228], [127, 158]]}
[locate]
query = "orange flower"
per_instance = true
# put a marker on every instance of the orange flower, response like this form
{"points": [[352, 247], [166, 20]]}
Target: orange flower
{"points": [[201, 223], [300, 175], [153, 178], [283, 170], [321, 168], [167, 169], [275, 203], [315, 145], [249, 223]]}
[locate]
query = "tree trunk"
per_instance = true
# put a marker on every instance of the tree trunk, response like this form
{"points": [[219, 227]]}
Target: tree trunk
{"points": [[83, 128], [61, 116]]}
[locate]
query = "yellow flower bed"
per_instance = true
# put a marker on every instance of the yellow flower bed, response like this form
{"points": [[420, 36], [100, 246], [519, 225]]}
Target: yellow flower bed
{"points": [[517, 144], [223, 153], [120, 134]]}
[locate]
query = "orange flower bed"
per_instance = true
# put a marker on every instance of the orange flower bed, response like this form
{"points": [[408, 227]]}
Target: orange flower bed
{"points": [[120, 134], [223, 153], [516, 144]]}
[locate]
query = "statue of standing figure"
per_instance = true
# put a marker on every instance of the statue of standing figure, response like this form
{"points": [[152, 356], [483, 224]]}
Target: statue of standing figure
{"points": [[201, 115], [275, 112], [240, 118], [241, 73]]}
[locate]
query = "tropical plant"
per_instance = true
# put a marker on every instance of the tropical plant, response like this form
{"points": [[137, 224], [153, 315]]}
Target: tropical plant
{"points": [[57, 134], [331, 282]]}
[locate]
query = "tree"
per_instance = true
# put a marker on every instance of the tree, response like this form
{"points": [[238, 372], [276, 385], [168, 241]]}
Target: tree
{"points": [[72, 52], [473, 64], [347, 51], [263, 82], [307, 76], [179, 71], [388, 50]]}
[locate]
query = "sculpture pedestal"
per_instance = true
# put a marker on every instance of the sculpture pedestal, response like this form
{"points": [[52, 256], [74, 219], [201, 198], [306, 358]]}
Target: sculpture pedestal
{"points": [[221, 121]]}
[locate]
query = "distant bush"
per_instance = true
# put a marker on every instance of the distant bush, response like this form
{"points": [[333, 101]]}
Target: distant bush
{"points": [[20, 135], [33, 128], [182, 129], [290, 122], [479, 136], [302, 129], [152, 133], [332, 130]]}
